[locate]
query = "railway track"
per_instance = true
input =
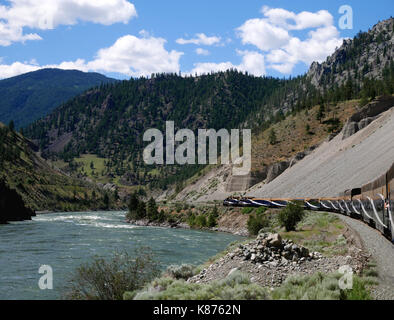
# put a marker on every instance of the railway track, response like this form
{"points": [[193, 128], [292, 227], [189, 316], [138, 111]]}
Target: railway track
{"points": [[372, 203]]}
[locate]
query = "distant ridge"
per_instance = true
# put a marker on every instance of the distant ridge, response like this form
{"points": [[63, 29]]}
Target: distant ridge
{"points": [[30, 96]]}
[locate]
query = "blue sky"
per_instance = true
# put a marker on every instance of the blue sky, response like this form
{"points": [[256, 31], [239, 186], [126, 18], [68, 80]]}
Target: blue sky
{"points": [[126, 39]]}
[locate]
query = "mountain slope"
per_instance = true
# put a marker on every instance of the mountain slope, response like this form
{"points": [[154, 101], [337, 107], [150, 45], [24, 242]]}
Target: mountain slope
{"points": [[364, 57], [312, 109], [30, 96], [338, 165], [41, 186], [110, 121], [107, 124]]}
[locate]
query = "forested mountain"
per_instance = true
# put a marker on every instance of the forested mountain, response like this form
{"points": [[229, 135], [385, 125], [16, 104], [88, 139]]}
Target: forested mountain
{"points": [[30, 96], [358, 59], [362, 67], [110, 121], [41, 186]]}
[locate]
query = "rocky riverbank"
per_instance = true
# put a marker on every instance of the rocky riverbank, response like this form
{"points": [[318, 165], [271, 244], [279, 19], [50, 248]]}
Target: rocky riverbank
{"points": [[230, 220], [182, 225], [270, 260]]}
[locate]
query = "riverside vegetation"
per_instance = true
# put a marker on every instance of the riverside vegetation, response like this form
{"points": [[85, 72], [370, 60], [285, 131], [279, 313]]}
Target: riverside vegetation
{"points": [[139, 210], [118, 278], [42, 186], [111, 280]]}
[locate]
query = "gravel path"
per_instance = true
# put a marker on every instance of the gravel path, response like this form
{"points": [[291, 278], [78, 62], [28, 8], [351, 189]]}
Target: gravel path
{"points": [[382, 252]]}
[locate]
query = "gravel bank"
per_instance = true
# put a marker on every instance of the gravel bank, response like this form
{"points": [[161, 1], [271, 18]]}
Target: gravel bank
{"points": [[269, 260], [382, 252]]}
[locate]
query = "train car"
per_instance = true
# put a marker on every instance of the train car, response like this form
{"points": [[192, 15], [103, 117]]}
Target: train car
{"points": [[231, 202], [279, 203], [373, 200], [390, 200], [261, 203], [373, 203], [312, 204]]}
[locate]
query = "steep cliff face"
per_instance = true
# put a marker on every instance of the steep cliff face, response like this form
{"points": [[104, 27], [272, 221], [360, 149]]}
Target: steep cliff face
{"points": [[12, 207], [365, 56]]}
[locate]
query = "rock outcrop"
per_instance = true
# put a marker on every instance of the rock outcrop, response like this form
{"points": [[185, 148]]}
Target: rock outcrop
{"points": [[276, 170], [12, 207], [367, 115], [377, 51]]}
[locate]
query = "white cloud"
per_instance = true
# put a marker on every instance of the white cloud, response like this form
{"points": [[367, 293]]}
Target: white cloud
{"points": [[17, 68], [263, 35], [134, 56], [200, 39], [252, 62], [202, 52], [48, 14], [303, 20], [129, 55], [271, 35]]}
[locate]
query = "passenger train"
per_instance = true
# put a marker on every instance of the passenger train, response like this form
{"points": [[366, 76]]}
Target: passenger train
{"points": [[372, 203]]}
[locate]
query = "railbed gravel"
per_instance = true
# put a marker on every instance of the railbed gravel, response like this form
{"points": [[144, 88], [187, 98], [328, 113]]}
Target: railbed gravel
{"points": [[382, 252]]}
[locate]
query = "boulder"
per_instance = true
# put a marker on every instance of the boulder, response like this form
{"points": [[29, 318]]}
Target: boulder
{"points": [[274, 240]]}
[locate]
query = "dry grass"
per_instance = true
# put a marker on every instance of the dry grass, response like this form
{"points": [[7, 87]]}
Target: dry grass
{"points": [[293, 137]]}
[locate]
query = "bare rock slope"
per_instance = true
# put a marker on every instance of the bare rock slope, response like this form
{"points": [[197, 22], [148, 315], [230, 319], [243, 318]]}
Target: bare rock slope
{"points": [[337, 165]]}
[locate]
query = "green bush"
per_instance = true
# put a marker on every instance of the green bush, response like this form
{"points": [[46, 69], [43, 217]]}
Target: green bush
{"points": [[247, 210], [321, 287], [211, 222], [237, 286], [184, 271], [201, 221], [256, 222], [109, 279], [290, 216], [261, 210]]}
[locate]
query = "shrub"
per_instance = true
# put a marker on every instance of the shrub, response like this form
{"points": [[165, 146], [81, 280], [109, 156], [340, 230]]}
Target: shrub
{"points": [[247, 210], [321, 287], [237, 286], [290, 216], [184, 271], [109, 279], [256, 222], [359, 290], [314, 287], [201, 221], [261, 210], [211, 222]]}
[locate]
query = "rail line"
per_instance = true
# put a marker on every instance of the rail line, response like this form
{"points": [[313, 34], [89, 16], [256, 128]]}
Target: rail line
{"points": [[372, 203]]}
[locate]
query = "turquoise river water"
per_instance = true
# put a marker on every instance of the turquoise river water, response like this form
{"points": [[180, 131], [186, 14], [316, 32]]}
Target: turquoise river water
{"points": [[66, 240]]}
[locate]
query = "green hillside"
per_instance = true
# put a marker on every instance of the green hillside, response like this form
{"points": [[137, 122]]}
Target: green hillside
{"points": [[30, 96], [42, 186], [108, 123]]}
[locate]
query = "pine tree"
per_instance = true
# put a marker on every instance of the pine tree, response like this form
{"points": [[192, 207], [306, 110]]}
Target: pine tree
{"points": [[272, 137], [321, 113], [11, 125], [151, 210]]}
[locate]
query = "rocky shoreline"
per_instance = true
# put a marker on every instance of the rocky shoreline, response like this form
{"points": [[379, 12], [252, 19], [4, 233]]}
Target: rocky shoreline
{"points": [[182, 225], [270, 260]]}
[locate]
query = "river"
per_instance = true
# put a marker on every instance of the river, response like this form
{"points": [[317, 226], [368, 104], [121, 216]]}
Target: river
{"points": [[66, 240]]}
